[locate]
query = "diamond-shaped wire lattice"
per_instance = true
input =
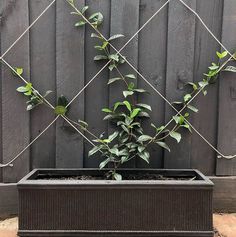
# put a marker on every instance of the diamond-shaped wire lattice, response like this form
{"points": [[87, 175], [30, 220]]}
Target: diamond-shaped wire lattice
{"points": [[95, 76]]}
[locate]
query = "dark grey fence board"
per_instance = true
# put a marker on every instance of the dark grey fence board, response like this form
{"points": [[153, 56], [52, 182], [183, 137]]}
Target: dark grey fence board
{"points": [[224, 195], [227, 97], [2, 7], [42, 49], [202, 156], [70, 79], [124, 20], [152, 65], [180, 63], [15, 118], [8, 200], [97, 93]]}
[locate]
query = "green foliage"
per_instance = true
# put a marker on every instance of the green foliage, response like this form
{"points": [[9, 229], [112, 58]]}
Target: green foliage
{"points": [[61, 108], [18, 71]]}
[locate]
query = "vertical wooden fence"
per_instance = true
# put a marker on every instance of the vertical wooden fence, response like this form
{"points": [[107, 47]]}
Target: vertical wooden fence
{"points": [[172, 49]]}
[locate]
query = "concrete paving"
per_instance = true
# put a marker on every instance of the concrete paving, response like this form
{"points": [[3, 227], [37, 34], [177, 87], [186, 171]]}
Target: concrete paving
{"points": [[225, 225]]}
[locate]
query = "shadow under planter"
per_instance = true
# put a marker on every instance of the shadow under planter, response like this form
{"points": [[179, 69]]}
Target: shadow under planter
{"points": [[51, 206]]}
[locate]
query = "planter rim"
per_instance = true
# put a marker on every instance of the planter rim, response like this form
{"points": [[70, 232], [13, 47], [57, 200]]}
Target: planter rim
{"points": [[29, 181]]}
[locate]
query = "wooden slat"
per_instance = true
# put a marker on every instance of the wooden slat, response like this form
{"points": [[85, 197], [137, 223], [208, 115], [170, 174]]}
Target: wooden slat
{"points": [[70, 79], [97, 92], [15, 118], [152, 65], [224, 195], [43, 69], [2, 7], [227, 97], [8, 200], [180, 64], [124, 20], [202, 156]]}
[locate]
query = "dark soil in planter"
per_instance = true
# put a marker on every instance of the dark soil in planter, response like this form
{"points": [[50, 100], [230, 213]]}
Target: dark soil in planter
{"points": [[138, 176]]}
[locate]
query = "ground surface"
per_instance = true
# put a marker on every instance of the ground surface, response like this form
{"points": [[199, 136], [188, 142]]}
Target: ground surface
{"points": [[225, 225]]}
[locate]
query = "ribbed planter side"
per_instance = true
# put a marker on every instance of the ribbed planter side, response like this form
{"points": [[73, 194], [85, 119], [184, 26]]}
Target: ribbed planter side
{"points": [[124, 209]]}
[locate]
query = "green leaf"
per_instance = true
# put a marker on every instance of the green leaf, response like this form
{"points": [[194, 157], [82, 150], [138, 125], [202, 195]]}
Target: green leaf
{"points": [[176, 136], [135, 112], [144, 155], [117, 104], [127, 93], [131, 86], [98, 47], [130, 76], [112, 66], [114, 57], [18, 71], [127, 104], [187, 97], [140, 90], [178, 119], [94, 150], [80, 23], [94, 35], [230, 69], [221, 55], [158, 129], [124, 159], [106, 110], [104, 45], [84, 9], [115, 37], [186, 126], [113, 80], [177, 102], [113, 136], [117, 176], [144, 138], [191, 107], [143, 114], [186, 115], [125, 128], [100, 57], [47, 93], [109, 116], [60, 110], [29, 107], [97, 18], [193, 85], [28, 93], [22, 89], [148, 107], [202, 84], [141, 148], [114, 151], [62, 101], [104, 163], [83, 123], [164, 145], [214, 67]]}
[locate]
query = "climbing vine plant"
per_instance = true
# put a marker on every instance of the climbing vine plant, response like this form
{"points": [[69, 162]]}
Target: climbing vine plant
{"points": [[128, 140]]}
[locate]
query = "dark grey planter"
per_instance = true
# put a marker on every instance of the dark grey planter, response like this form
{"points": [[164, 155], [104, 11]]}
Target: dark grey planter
{"points": [[115, 208]]}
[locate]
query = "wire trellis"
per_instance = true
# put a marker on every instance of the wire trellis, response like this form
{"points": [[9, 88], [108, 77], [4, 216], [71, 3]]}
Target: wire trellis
{"points": [[232, 56]]}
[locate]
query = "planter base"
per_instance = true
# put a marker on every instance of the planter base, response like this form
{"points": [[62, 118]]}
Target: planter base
{"points": [[108, 208], [115, 234]]}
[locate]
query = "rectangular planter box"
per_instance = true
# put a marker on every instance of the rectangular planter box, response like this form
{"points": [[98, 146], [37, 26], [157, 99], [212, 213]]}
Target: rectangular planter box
{"points": [[115, 208]]}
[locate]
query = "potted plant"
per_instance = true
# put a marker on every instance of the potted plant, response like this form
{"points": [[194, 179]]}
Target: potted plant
{"points": [[112, 201]]}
